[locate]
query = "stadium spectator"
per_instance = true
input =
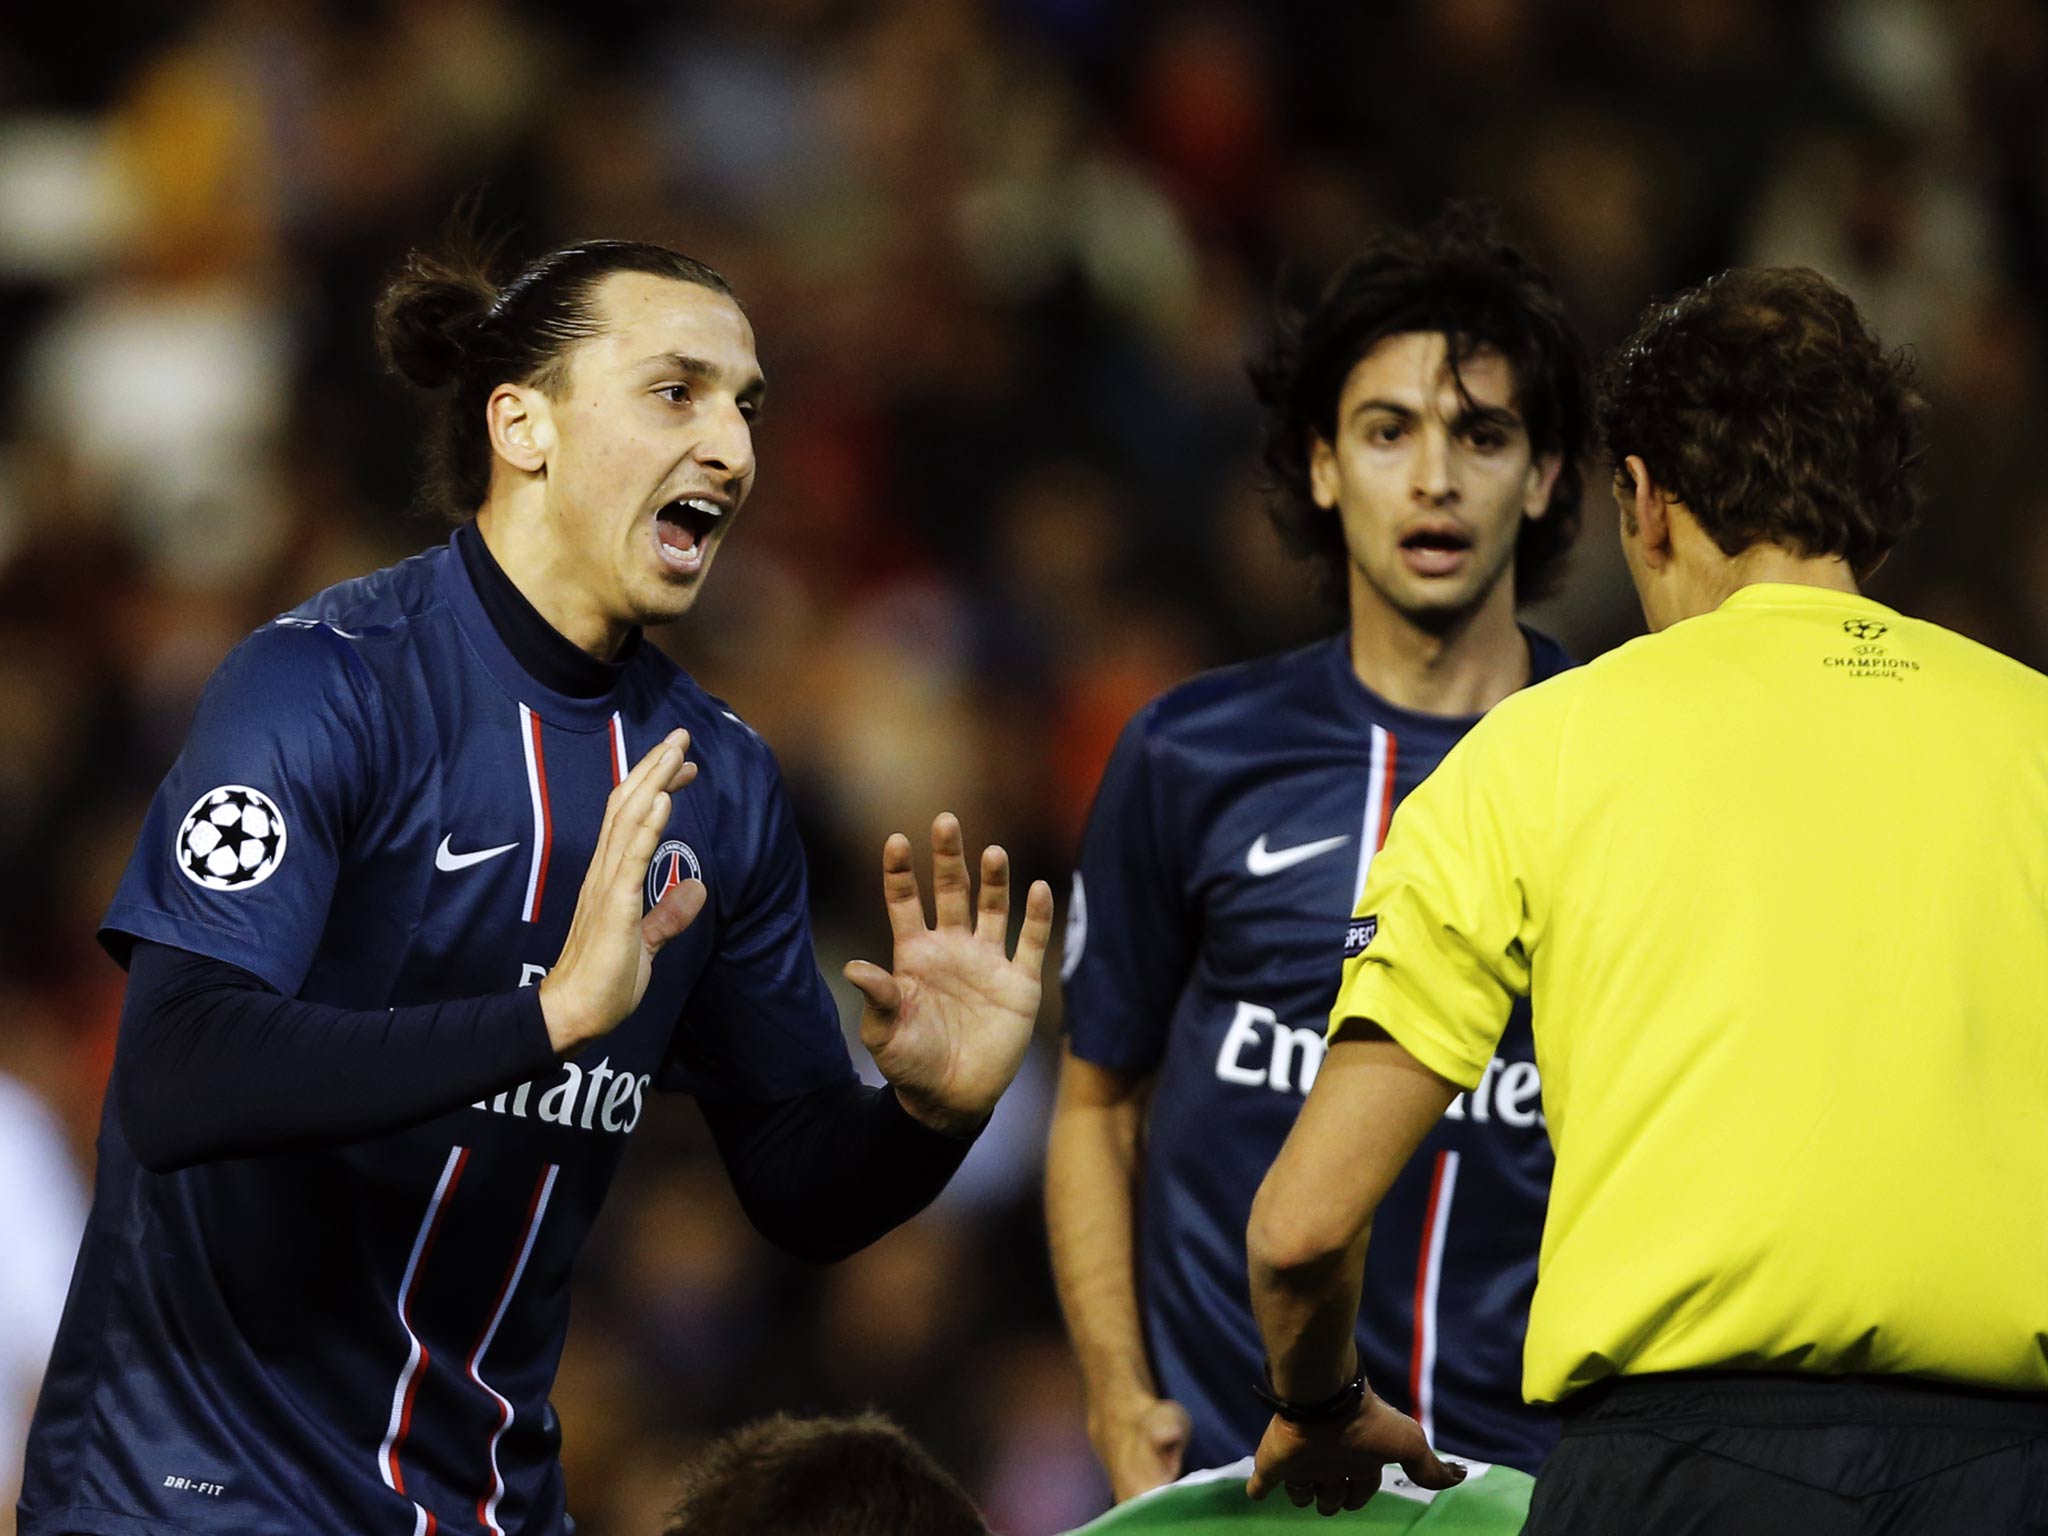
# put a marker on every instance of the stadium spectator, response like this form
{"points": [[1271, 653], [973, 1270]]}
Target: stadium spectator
{"points": [[858, 1475], [1773, 875], [1425, 424], [371, 1091]]}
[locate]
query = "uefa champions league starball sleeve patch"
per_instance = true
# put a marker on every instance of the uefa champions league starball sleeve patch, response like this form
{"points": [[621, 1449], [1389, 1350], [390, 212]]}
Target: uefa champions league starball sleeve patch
{"points": [[232, 838]]}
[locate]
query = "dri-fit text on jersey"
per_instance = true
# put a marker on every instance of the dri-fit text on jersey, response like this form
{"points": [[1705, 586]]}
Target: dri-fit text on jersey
{"points": [[1259, 1051], [598, 1098]]}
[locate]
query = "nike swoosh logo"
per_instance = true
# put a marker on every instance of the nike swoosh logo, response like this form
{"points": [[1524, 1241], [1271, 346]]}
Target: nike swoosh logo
{"points": [[1264, 861], [446, 858]]}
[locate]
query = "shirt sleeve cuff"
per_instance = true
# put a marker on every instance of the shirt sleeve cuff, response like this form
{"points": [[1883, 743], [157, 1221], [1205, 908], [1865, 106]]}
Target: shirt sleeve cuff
{"points": [[536, 1045], [1384, 1007], [907, 1129]]}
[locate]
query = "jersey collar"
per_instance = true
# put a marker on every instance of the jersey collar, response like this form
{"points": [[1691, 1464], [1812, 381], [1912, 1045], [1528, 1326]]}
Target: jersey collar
{"points": [[574, 713], [1798, 594], [1546, 659]]}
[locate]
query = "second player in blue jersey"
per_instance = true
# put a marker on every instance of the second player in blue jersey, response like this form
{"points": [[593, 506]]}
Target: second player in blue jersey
{"points": [[1425, 424]]}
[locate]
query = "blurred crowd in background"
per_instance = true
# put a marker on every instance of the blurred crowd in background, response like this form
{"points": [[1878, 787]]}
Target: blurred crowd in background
{"points": [[1006, 260]]}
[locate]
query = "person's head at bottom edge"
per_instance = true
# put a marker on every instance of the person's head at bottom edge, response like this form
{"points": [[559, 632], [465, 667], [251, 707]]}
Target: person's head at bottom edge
{"points": [[859, 1475]]}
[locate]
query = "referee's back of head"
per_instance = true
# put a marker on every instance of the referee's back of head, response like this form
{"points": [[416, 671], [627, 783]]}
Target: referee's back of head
{"points": [[1764, 401], [854, 1476]]}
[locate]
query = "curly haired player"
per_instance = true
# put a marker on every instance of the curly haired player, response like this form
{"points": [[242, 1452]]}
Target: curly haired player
{"points": [[1425, 421]]}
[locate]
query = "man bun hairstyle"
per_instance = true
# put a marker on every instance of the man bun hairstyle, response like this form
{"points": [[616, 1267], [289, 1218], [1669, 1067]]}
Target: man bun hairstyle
{"points": [[447, 327], [1460, 277], [1764, 402], [427, 315]]}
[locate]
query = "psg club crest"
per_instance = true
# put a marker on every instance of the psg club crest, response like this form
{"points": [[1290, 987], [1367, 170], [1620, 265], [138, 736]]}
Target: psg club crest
{"points": [[231, 839], [674, 862]]}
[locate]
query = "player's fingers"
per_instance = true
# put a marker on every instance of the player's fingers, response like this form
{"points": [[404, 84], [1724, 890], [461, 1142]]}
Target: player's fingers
{"points": [[630, 849], [881, 990], [1426, 1470], [634, 838], [1331, 1494], [659, 759], [899, 888], [1037, 930], [685, 771], [650, 776], [992, 910], [685, 776], [1259, 1484], [1300, 1495], [1169, 1426], [951, 889], [629, 796], [1362, 1488], [672, 914], [1166, 1462]]}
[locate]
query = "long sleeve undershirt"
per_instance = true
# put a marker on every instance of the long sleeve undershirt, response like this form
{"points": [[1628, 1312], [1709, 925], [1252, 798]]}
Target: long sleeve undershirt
{"points": [[213, 1063]]}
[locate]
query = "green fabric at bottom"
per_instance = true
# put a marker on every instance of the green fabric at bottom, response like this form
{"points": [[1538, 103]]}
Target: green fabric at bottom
{"points": [[1492, 1501]]}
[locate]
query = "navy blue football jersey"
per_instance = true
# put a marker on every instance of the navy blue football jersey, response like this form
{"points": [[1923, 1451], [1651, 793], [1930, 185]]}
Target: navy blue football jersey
{"points": [[1225, 853], [377, 807]]}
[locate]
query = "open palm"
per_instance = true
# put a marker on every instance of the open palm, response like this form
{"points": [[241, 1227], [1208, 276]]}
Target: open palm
{"points": [[949, 1022]]}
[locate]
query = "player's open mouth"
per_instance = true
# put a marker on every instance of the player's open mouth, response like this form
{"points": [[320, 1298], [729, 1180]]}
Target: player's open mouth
{"points": [[1439, 550], [683, 529]]}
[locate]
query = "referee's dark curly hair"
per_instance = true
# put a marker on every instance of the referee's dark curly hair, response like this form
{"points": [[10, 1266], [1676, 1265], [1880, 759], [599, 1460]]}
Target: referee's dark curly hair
{"points": [[1456, 276], [1763, 401]]}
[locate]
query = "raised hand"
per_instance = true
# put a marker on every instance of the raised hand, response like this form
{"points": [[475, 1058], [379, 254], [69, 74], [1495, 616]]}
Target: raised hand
{"points": [[609, 955], [948, 1023], [1337, 1466]]}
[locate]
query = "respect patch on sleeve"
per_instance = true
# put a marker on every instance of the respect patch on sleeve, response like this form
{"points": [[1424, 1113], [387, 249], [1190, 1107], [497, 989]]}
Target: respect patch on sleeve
{"points": [[1359, 934]]}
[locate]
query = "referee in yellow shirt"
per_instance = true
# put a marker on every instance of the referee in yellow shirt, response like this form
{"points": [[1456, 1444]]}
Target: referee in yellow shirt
{"points": [[1775, 877]]}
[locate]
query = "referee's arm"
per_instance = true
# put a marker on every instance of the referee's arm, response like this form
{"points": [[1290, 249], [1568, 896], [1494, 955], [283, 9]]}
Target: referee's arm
{"points": [[1369, 1110]]}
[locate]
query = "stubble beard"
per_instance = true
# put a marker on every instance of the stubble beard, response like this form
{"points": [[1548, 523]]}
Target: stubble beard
{"points": [[1441, 619]]}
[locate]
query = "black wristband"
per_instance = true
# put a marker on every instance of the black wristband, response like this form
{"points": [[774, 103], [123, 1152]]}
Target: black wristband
{"points": [[1338, 1406]]}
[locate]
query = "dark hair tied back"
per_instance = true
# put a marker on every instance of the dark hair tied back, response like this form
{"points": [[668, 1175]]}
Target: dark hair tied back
{"points": [[428, 315], [448, 328]]}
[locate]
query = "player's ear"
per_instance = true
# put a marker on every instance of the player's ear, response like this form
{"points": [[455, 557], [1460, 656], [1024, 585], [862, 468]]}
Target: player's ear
{"points": [[522, 426], [1538, 484], [1322, 471]]}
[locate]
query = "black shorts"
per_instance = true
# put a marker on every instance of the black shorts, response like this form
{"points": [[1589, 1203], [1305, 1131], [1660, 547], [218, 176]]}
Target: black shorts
{"points": [[1727, 1454]]}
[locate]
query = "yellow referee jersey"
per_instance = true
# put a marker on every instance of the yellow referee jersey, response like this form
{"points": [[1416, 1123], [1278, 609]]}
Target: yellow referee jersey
{"points": [[1776, 882]]}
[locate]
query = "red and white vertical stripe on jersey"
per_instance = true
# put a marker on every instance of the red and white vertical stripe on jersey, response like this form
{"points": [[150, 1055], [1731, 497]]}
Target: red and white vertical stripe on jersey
{"points": [[1429, 1270], [618, 749], [543, 819], [536, 1210], [1379, 805], [416, 1353]]}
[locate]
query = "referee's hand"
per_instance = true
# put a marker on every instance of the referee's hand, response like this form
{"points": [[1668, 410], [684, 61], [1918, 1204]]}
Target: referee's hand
{"points": [[606, 960], [1337, 1466]]}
